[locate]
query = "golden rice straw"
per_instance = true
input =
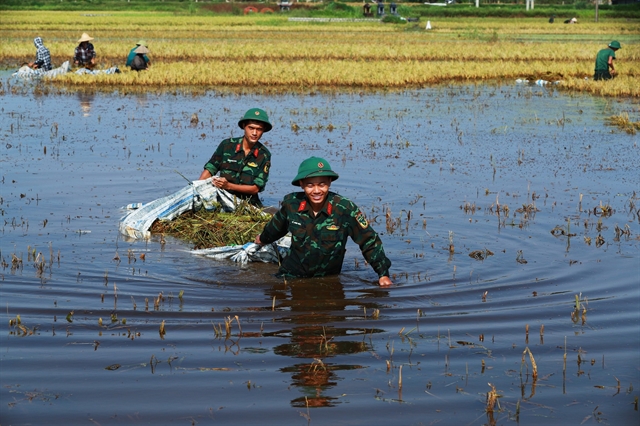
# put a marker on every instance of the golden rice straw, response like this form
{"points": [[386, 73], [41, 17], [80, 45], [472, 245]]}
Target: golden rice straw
{"points": [[534, 367]]}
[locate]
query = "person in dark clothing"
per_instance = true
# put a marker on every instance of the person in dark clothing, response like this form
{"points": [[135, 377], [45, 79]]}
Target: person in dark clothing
{"points": [[604, 62], [133, 53], [366, 9], [85, 54], [320, 221], [140, 60], [241, 165]]}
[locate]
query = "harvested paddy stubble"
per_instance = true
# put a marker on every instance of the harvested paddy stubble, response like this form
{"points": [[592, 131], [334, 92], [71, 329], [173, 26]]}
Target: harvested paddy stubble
{"points": [[213, 229], [258, 51]]}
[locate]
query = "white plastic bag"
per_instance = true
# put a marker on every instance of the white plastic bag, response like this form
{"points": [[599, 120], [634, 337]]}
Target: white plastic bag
{"points": [[249, 252]]}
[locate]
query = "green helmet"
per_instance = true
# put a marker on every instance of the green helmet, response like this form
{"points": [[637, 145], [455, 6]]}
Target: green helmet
{"points": [[615, 44], [256, 114], [314, 167]]}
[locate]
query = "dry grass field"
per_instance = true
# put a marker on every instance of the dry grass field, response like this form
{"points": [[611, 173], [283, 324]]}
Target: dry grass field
{"points": [[269, 52]]}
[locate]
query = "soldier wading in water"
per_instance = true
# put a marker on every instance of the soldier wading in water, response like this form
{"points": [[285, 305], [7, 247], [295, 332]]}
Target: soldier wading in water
{"points": [[320, 222], [241, 165]]}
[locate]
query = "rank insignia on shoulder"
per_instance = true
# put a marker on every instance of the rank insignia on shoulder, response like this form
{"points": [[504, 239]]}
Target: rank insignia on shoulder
{"points": [[252, 164], [333, 227], [362, 221]]}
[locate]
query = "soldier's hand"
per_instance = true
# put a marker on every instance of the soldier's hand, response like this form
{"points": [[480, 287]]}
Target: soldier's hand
{"points": [[220, 182], [385, 281], [257, 240]]}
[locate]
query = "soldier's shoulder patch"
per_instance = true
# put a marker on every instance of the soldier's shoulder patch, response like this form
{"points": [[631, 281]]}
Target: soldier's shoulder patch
{"points": [[362, 221], [333, 227], [266, 167], [252, 164]]}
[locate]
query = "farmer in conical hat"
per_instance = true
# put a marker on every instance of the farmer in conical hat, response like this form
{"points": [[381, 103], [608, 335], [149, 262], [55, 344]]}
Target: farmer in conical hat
{"points": [[140, 61], [604, 62], [320, 222], [241, 165], [85, 55], [132, 54]]}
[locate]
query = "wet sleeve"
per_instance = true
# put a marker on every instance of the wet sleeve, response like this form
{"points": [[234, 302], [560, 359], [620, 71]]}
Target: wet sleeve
{"points": [[277, 227], [368, 241]]}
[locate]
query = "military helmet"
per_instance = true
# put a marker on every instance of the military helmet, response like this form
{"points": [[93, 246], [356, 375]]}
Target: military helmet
{"points": [[314, 167], [256, 114], [615, 44]]}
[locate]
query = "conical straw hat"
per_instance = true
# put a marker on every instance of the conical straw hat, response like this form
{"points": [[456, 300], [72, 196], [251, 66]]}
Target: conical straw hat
{"points": [[85, 37]]}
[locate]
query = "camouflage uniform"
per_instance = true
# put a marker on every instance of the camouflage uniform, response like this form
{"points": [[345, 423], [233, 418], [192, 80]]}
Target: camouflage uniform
{"points": [[252, 169], [318, 244]]}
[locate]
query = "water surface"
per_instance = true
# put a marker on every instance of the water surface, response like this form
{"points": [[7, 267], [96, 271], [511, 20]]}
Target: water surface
{"points": [[430, 168]]}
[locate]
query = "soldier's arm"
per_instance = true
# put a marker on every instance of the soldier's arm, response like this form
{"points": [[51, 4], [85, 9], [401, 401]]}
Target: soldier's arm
{"points": [[370, 245], [610, 63], [213, 165], [263, 174], [276, 228], [223, 183]]}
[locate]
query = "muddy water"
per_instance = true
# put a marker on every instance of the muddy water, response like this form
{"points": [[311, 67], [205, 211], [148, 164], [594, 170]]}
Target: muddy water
{"points": [[437, 162]]}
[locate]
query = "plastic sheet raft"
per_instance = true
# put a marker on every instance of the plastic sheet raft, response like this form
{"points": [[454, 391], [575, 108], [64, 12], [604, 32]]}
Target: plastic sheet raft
{"points": [[112, 70], [539, 82], [26, 72], [249, 252], [198, 194]]}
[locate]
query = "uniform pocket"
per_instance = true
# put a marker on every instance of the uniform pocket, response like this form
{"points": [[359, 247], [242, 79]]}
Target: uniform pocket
{"points": [[330, 241]]}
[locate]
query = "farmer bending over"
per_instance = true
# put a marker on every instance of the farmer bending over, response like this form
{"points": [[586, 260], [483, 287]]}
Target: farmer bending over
{"points": [[604, 61], [140, 50], [242, 163], [85, 54], [43, 57], [320, 222]]}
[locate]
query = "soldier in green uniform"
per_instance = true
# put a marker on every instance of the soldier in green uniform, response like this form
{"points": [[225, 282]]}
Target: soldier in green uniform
{"points": [[241, 165], [320, 222], [604, 61]]}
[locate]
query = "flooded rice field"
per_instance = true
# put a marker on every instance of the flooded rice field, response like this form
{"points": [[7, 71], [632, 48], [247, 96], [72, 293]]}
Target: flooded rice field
{"points": [[510, 214]]}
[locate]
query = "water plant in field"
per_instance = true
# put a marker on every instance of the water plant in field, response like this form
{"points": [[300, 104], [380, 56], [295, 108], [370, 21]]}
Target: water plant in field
{"points": [[623, 122]]}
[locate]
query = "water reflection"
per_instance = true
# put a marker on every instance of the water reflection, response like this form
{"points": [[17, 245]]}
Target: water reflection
{"points": [[141, 100], [315, 306], [86, 100]]}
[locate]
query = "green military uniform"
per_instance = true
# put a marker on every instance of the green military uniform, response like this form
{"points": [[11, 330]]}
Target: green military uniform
{"points": [[602, 64], [318, 243], [253, 169], [602, 61]]}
